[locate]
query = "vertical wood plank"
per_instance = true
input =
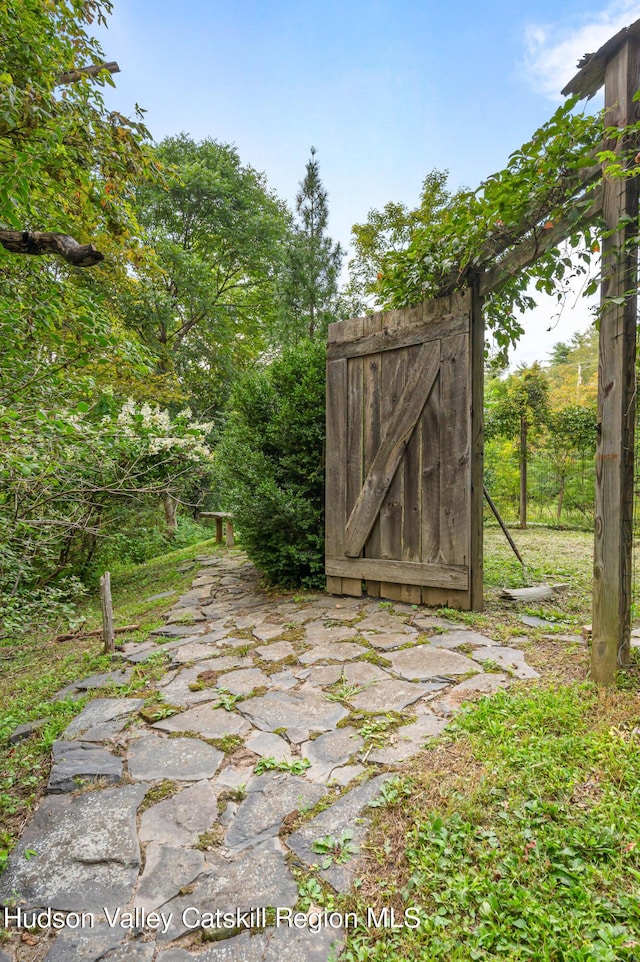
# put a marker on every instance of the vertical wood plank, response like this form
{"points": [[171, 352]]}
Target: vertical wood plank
{"points": [[393, 372], [354, 454], [476, 592], [616, 391], [371, 437], [455, 447], [336, 454], [430, 476]]}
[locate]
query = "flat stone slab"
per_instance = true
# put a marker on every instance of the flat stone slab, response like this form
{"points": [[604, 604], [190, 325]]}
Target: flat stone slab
{"points": [[337, 651], [389, 695], [281, 709], [267, 631], [454, 639], [482, 684], [363, 673], [317, 633], [185, 616], [172, 631], [205, 573], [77, 763], [511, 659], [408, 740], [244, 680], [180, 819], [167, 870], [321, 676], [349, 812], [231, 777], [331, 750], [269, 745], [122, 676], [425, 661], [382, 621], [192, 598], [221, 662], [270, 797], [87, 853], [88, 944], [427, 622], [196, 651], [182, 759], [532, 621], [341, 615], [206, 721], [282, 944], [297, 735], [283, 680], [178, 692], [248, 621], [387, 641], [276, 651], [345, 774], [257, 877], [102, 718]]}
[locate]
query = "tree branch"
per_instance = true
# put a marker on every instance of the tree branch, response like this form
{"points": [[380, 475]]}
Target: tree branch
{"points": [[72, 76], [47, 242]]}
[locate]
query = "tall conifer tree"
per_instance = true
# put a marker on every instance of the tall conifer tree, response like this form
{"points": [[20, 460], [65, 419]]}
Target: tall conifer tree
{"points": [[310, 288]]}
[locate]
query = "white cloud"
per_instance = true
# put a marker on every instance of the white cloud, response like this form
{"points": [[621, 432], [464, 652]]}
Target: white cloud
{"points": [[554, 49]]}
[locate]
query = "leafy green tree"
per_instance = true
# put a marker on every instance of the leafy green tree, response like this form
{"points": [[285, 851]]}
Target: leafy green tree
{"points": [[309, 288], [389, 231], [571, 438], [203, 296], [515, 406], [66, 163]]}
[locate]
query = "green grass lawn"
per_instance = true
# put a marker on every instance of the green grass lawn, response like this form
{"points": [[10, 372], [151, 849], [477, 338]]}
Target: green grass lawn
{"points": [[517, 837]]}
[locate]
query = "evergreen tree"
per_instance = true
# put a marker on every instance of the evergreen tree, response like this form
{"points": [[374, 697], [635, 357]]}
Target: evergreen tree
{"points": [[309, 288]]}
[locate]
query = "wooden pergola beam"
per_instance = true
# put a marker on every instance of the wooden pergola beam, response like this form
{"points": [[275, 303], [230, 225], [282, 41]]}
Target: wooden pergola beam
{"points": [[542, 241], [591, 75]]}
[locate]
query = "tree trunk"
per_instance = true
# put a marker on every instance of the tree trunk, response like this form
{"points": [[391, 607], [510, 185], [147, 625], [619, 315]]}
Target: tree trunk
{"points": [[560, 499], [170, 514], [523, 472]]}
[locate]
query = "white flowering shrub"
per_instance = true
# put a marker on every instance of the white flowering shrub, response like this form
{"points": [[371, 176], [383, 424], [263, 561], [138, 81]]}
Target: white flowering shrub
{"points": [[67, 479]]}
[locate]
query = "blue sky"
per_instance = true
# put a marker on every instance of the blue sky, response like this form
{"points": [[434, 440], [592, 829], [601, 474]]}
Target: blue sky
{"points": [[386, 91]]}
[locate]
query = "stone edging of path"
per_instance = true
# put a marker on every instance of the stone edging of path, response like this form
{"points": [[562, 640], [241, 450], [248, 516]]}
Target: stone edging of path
{"points": [[175, 822]]}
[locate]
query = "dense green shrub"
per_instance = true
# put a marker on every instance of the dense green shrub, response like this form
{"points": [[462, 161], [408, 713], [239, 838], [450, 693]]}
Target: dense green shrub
{"points": [[270, 465]]}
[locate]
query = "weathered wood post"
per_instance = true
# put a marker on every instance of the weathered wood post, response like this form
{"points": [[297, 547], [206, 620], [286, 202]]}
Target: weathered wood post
{"points": [[616, 385], [523, 472], [108, 634]]}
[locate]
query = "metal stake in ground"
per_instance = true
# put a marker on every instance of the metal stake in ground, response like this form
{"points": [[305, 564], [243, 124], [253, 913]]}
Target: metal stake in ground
{"points": [[491, 504]]}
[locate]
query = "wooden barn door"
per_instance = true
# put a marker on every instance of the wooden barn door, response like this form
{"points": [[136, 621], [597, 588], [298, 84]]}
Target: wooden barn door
{"points": [[404, 454]]}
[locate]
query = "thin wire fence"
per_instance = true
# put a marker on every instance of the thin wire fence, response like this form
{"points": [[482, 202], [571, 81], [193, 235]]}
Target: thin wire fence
{"points": [[560, 489]]}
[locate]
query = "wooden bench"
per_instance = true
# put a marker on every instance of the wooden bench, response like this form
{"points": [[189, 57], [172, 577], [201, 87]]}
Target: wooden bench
{"points": [[221, 516]]}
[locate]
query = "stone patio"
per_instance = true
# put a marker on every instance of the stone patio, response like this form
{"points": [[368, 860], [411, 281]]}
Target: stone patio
{"points": [[150, 825]]}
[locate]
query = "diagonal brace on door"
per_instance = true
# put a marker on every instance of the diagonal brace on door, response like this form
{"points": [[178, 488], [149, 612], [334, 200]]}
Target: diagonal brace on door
{"points": [[415, 395]]}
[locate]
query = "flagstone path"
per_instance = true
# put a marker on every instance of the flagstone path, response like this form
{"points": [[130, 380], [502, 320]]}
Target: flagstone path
{"points": [[156, 817]]}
